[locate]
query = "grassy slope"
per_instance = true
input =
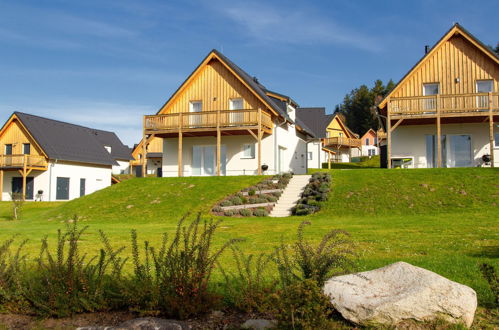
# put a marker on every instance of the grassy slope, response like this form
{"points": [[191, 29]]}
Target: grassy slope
{"points": [[370, 163], [443, 220]]}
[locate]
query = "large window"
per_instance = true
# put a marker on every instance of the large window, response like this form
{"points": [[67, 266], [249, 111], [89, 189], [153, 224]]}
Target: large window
{"points": [[496, 140], [310, 155], [484, 86], [248, 150], [8, 149], [431, 151], [196, 107], [429, 90], [367, 141], [236, 104], [26, 148]]}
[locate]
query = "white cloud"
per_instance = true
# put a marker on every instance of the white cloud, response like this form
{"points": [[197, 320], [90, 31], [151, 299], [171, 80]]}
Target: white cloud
{"points": [[293, 26]]}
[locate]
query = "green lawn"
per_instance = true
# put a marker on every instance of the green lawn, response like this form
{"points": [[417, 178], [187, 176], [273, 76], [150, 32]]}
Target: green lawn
{"points": [[373, 162], [445, 220]]}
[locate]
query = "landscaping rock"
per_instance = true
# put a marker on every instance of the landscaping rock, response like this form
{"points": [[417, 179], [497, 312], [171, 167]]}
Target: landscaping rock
{"points": [[398, 292], [146, 323], [259, 324]]}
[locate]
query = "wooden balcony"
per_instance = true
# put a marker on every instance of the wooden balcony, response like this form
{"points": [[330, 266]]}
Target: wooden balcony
{"points": [[458, 105], [23, 162], [225, 120], [341, 142]]}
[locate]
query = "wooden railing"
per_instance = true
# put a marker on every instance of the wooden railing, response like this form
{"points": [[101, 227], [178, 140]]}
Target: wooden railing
{"points": [[19, 161], [342, 142], [207, 119], [477, 103]]}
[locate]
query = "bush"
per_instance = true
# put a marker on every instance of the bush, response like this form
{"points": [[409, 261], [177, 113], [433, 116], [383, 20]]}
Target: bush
{"points": [[277, 194], [236, 200], [229, 213], [245, 212], [217, 209], [315, 192], [12, 267], [252, 192], [260, 213], [226, 203], [271, 199], [302, 305]]}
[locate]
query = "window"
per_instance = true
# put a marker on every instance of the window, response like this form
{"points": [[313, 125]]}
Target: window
{"points": [[195, 119], [375, 141], [108, 148], [367, 141], [496, 140], [195, 106], [8, 149], [431, 89], [26, 148], [309, 155], [483, 86], [248, 150], [82, 187], [236, 104]]}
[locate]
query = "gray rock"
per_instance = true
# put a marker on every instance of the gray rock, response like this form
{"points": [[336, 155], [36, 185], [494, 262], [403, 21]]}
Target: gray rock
{"points": [[259, 324], [146, 323], [398, 292]]}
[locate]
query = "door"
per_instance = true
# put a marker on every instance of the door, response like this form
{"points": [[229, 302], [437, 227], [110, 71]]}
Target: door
{"points": [[281, 159], [17, 186], [195, 117], [236, 119], [159, 172], [429, 90], [431, 151], [82, 187], [483, 86], [204, 160], [62, 188], [460, 151]]}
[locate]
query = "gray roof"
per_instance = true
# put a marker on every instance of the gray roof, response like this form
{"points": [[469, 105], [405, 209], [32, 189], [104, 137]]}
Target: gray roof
{"points": [[69, 142], [315, 119]]}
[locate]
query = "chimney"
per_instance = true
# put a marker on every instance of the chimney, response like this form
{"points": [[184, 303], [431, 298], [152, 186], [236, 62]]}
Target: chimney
{"points": [[426, 49]]}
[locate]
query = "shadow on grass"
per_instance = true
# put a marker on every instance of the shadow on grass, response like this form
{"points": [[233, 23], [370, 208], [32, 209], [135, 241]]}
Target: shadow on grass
{"points": [[486, 252]]}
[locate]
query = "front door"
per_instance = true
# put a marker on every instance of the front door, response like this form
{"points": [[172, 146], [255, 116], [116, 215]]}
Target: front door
{"points": [[281, 159], [62, 192], [460, 151], [204, 160], [17, 186]]}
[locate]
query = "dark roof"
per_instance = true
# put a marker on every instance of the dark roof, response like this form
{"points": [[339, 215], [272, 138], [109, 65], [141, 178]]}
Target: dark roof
{"points": [[154, 155], [69, 142], [315, 119], [119, 151]]}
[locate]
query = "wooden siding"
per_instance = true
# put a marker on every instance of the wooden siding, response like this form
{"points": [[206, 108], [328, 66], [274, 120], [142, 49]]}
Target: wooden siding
{"points": [[214, 86], [15, 134], [455, 58]]}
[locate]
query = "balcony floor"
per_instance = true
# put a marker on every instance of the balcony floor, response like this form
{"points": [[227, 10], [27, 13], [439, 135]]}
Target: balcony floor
{"points": [[197, 132]]}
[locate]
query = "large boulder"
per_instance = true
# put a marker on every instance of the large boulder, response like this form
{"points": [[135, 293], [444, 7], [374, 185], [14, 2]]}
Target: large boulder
{"points": [[399, 292]]}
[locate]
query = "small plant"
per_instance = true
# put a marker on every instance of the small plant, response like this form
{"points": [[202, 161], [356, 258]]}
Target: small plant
{"points": [[271, 199], [226, 203], [236, 200], [17, 205], [229, 213], [315, 192], [217, 209], [260, 213], [251, 192], [245, 212]]}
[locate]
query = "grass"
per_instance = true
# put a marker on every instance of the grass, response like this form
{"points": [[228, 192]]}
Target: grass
{"points": [[444, 220], [373, 162]]}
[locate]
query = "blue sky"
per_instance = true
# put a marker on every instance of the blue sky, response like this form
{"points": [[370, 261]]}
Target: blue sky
{"points": [[105, 64]]}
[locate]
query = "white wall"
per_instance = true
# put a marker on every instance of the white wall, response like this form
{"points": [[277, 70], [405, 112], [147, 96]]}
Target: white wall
{"points": [[365, 150], [410, 141], [123, 167], [97, 177], [284, 136], [318, 155]]}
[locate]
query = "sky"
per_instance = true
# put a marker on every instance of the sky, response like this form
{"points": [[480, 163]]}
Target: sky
{"points": [[105, 64]]}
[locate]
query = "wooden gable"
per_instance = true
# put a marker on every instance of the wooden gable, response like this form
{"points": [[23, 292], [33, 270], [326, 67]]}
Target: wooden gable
{"points": [[336, 126], [154, 145], [14, 133], [456, 62], [214, 84]]}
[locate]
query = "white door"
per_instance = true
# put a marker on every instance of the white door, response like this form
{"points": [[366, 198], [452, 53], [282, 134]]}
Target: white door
{"points": [[204, 160], [195, 108], [236, 118], [281, 160]]}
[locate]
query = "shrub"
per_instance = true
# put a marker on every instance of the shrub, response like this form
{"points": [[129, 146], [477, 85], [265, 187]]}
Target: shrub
{"points": [[260, 200], [236, 200], [277, 194], [302, 305], [252, 192], [315, 192], [260, 213], [228, 213], [245, 212], [226, 203], [244, 200], [217, 209], [12, 267], [271, 199]]}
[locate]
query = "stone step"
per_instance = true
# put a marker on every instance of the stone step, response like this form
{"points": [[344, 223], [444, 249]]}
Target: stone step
{"points": [[290, 196]]}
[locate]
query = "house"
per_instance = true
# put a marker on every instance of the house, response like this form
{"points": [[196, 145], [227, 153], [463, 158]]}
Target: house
{"points": [[442, 112], [342, 140], [50, 160], [317, 121], [369, 143], [222, 121], [154, 158]]}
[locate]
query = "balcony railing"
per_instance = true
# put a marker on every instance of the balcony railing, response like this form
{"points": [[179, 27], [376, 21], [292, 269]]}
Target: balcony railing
{"points": [[342, 142], [207, 119], [468, 104], [20, 161]]}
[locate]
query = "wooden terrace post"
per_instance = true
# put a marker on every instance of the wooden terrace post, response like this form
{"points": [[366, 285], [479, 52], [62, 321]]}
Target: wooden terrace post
{"points": [[491, 131], [439, 133], [329, 160], [25, 158], [388, 135], [180, 165], [144, 149], [259, 141], [219, 140]]}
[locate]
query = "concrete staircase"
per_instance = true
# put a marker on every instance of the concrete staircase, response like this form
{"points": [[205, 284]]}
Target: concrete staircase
{"points": [[290, 196]]}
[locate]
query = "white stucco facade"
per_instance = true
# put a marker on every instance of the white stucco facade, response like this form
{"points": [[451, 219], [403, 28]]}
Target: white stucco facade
{"points": [[123, 167], [411, 142], [96, 178], [316, 156], [369, 150], [283, 151]]}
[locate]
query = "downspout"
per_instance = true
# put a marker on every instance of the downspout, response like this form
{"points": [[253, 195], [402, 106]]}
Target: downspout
{"points": [[50, 179], [319, 149], [276, 146]]}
